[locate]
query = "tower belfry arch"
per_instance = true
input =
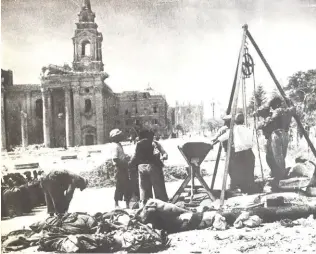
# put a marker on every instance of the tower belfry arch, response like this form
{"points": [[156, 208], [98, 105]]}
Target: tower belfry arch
{"points": [[87, 41]]}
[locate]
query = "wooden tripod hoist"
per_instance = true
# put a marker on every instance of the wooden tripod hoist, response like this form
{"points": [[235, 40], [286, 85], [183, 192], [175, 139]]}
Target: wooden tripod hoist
{"points": [[244, 69]]}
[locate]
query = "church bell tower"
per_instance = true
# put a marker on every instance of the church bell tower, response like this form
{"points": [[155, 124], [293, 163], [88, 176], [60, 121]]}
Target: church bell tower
{"points": [[87, 42]]}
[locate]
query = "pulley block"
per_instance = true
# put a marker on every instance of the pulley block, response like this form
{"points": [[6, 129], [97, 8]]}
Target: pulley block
{"points": [[247, 65]]}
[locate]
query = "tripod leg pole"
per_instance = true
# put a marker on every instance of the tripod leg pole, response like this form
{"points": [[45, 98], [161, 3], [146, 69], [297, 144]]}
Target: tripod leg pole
{"points": [[216, 166], [204, 184], [296, 117], [234, 109], [227, 112], [176, 196], [192, 169]]}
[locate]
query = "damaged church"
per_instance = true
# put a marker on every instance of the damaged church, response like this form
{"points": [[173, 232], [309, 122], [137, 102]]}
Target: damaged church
{"points": [[74, 106]]}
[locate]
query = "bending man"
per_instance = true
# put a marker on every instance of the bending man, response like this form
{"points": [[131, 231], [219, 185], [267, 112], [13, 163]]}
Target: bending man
{"points": [[58, 187]]}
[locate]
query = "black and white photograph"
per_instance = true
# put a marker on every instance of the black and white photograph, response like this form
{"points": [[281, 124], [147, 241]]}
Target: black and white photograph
{"points": [[158, 126]]}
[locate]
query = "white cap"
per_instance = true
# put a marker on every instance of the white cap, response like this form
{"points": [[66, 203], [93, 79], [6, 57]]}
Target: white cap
{"points": [[115, 132], [227, 117]]}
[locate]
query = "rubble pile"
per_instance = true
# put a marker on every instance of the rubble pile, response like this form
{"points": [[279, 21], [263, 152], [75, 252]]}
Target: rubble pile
{"points": [[104, 175], [101, 176]]}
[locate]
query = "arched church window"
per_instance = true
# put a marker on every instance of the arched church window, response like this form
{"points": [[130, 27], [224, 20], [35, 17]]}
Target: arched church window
{"points": [[87, 105], [39, 108], [86, 48]]}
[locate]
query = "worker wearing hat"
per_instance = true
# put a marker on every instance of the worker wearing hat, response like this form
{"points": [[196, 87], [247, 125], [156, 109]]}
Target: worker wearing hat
{"points": [[275, 127], [119, 159], [242, 164], [222, 130]]}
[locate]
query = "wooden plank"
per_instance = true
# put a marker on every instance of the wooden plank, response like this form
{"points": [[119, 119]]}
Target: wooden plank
{"points": [[26, 166], [95, 151], [195, 187], [69, 157]]}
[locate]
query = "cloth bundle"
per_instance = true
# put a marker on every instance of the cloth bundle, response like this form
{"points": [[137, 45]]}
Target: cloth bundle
{"points": [[19, 239], [245, 220], [80, 232], [76, 243]]}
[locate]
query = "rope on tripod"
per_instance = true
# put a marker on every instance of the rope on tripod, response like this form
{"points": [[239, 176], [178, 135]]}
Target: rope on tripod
{"points": [[255, 123], [244, 99]]}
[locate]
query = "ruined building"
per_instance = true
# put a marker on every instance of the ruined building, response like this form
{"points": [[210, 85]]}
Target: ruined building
{"points": [[74, 106], [137, 109], [189, 117]]}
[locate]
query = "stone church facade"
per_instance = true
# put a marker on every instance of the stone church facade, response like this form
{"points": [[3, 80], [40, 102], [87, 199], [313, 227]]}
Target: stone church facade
{"points": [[72, 106]]}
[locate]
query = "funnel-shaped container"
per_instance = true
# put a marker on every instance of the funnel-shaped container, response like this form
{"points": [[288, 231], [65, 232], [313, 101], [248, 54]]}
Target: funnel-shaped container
{"points": [[195, 152]]}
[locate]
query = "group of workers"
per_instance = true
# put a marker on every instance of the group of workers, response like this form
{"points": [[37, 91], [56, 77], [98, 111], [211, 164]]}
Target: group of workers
{"points": [[143, 173], [147, 160], [274, 126], [19, 194]]}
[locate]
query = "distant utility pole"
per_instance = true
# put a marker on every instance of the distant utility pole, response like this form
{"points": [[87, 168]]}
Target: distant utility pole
{"points": [[213, 108]]}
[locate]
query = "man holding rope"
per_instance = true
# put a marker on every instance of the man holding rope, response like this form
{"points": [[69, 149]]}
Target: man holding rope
{"points": [[242, 164], [275, 127]]}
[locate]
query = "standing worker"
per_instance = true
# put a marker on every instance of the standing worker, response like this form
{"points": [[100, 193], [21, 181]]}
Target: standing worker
{"points": [[119, 159], [275, 127], [58, 187], [148, 170], [242, 163], [160, 155]]}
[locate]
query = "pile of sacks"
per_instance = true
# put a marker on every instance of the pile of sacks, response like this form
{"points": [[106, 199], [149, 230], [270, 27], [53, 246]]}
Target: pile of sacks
{"points": [[80, 232], [142, 230]]}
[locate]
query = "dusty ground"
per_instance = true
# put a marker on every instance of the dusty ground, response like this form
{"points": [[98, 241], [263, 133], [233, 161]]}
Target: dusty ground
{"points": [[270, 238]]}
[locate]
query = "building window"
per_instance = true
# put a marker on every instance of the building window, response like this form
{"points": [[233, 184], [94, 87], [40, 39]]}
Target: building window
{"points": [[136, 110], [126, 122], [126, 112], [86, 48], [137, 122], [155, 109], [87, 105], [155, 121], [39, 108], [144, 95]]}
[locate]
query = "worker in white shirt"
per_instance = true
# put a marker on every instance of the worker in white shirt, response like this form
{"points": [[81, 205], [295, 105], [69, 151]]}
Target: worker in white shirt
{"points": [[119, 159], [242, 164]]}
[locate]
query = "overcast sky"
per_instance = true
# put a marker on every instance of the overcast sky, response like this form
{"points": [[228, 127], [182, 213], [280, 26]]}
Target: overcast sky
{"points": [[187, 51]]}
